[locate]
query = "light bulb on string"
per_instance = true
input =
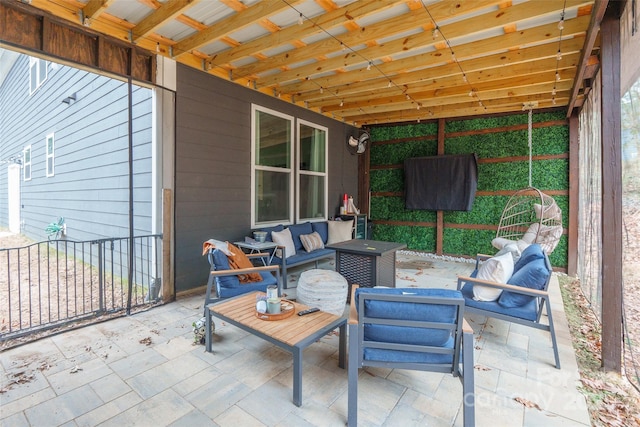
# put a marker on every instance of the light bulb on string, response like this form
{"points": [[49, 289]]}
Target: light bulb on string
{"points": [[559, 55], [435, 32], [553, 101], [471, 92], [464, 78], [557, 76], [300, 20], [389, 85], [341, 103], [369, 66], [553, 92]]}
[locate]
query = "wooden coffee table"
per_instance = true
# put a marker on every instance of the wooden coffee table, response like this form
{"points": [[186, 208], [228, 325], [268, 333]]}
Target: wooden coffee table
{"points": [[294, 333]]}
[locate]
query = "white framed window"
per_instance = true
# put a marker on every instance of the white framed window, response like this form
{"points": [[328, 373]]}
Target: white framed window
{"points": [[311, 176], [26, 163], [37, 73], [50, 148], [271, 167]]}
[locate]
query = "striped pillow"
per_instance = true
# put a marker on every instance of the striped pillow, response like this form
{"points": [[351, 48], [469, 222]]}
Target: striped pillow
{"points": [[312, 241]]}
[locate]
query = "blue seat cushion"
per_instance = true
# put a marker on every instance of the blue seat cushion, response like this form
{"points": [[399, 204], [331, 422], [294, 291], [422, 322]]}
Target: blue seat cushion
{"points": [[297, 230], [400, 356], [303, 256], [531, 253], [267, 279], [279, 227], [396, 310], [322, 228], [534, 275], [221, 262], [526, 312]]}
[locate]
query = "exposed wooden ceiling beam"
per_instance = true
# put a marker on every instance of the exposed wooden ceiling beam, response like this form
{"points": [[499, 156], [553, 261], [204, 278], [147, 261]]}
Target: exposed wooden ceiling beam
{"points": [[480, 69], [537, 35], [94, 8], [234, 23], [309, 27], [167, 11], [378, 31]]}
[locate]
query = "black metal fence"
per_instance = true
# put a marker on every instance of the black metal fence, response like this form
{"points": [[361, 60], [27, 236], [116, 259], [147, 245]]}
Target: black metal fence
{"points": [[48, 284]]}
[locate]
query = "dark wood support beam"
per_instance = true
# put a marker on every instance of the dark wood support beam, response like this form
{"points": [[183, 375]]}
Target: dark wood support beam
{"points": [[599, 9], [574, 189], [38, 33], [440, 214], [611, 213]]}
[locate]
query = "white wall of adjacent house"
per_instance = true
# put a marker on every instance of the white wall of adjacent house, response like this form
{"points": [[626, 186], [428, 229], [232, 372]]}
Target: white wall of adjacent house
{"points": [[13, 196]]}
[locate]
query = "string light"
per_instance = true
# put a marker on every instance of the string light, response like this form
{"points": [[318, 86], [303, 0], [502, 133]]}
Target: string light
{"points": [[321, 89], [464, 78], [369, 66], [471, 92], [435, 32], [389, 85], [300, 19], [559, 53]]}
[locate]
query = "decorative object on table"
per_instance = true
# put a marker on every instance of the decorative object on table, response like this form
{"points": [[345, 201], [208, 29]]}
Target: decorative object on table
{"points": [[325, 289], [351, 208], [286, 310], [260, 236]]}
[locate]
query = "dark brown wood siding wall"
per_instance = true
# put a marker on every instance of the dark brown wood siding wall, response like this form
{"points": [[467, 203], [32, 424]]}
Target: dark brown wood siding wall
{"points": [[213, 165]]}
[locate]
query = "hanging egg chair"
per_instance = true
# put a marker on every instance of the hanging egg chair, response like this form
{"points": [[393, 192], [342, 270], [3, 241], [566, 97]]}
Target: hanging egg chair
{"points": [[530, 216]]}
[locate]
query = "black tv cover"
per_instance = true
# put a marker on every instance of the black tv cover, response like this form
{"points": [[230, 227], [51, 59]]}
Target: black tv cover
{"points": [[441, 183]]}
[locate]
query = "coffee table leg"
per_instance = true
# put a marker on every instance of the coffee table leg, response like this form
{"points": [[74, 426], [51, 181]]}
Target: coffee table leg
{"points": [[342, 346], [297, 376]]}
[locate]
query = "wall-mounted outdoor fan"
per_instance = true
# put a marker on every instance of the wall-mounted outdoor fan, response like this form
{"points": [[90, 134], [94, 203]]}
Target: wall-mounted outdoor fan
{"points": [[358, 145]]}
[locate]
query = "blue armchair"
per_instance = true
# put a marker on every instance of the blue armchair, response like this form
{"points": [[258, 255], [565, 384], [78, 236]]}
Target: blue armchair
{"points": [[524, 297], [417, 329], [227, 283]]}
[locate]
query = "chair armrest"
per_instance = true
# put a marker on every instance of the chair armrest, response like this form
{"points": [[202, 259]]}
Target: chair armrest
{"points": [[258, 255], [244, 270], [466, 327], [480, 258], [353, 313], [503, 286]]}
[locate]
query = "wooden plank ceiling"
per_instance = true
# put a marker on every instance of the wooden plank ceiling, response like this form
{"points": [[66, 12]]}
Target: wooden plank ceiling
{"points": [[369, 62]]}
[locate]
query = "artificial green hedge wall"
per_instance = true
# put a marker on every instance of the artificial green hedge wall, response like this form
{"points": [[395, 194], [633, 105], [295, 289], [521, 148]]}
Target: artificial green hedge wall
{"points": [[493, 141]]}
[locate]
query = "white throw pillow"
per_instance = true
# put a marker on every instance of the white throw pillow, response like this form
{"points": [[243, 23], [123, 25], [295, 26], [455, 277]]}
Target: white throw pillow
{"points": [[339, 231], [497, 269], [284, 238], [511, 248]]}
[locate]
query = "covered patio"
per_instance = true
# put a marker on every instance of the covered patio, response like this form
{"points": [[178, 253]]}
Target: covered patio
{"points": [[345, 67], [145, 370]]}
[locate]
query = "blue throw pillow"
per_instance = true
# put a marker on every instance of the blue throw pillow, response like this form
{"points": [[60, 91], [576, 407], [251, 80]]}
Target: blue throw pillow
{"points": [[322, 228], [297, 230], [534, 275], [221, 262], [532, 252], [279, 227]]}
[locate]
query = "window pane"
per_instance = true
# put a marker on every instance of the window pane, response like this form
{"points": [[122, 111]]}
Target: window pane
{"points": [[311, 197], [49, 146], [42, 68], [33, 74], [49, 166], [273, 140], [272, 196], [312, 149]]}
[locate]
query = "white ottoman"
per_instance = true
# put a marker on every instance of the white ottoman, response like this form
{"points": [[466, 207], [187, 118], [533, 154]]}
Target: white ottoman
{"points": [[325, 289]]}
